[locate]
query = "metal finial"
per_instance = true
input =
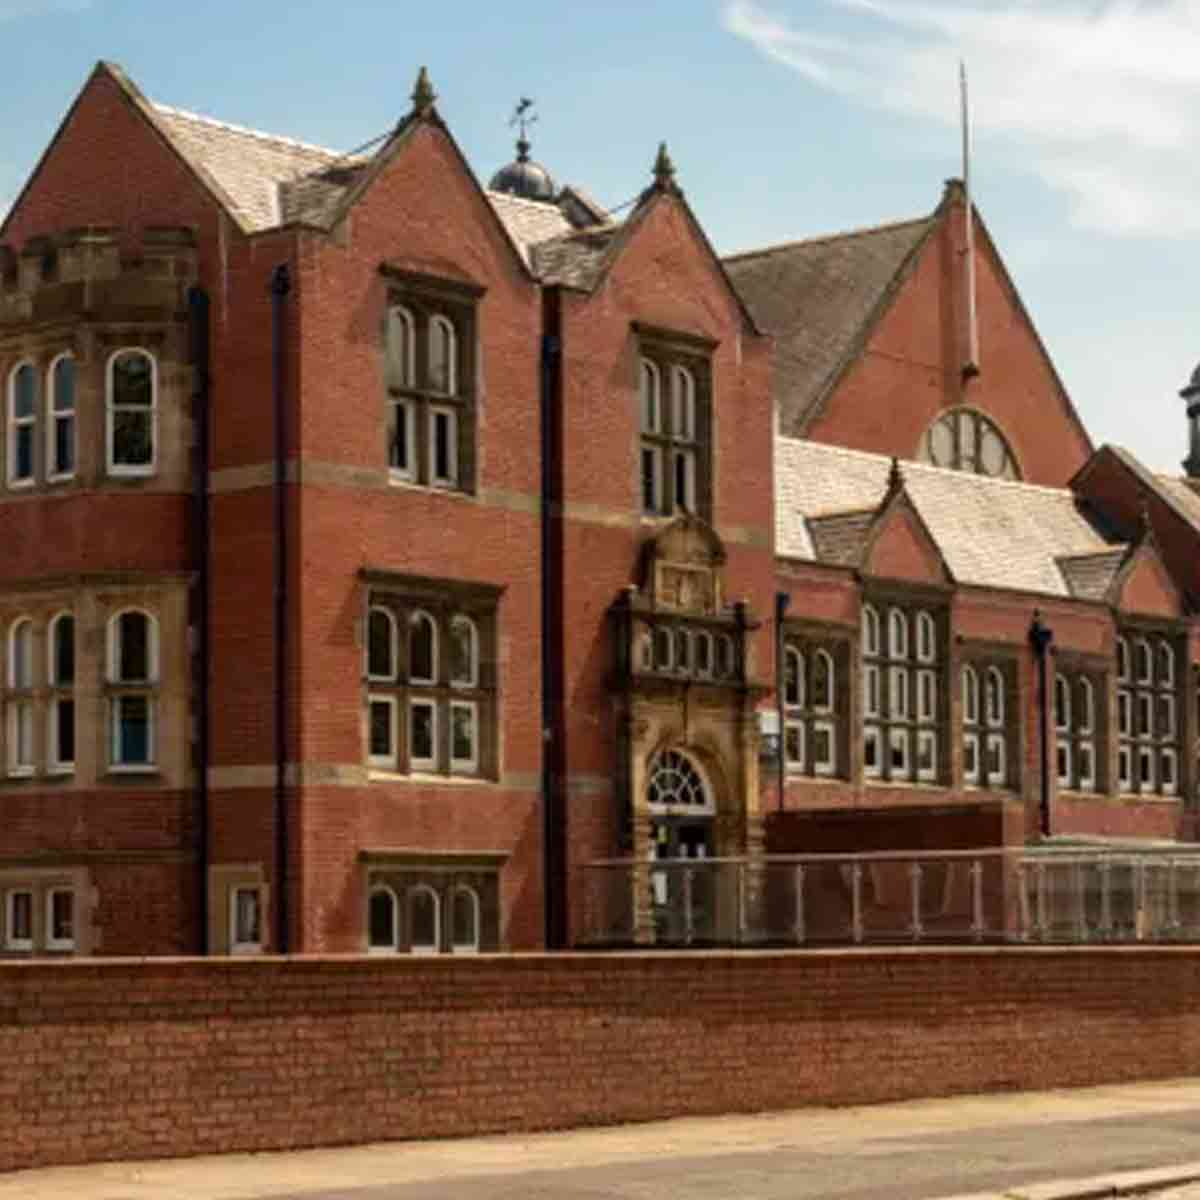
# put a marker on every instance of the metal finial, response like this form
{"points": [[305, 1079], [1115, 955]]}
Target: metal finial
{"points": [[523, 116], [664, 168], [423, 94]]}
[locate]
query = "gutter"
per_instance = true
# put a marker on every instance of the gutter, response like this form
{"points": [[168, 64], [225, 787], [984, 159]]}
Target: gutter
{"points": [[199, 342], [280, 288]]}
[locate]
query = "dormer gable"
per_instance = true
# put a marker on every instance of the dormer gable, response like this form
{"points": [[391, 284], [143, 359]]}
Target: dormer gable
{"points": [[899, 545]]}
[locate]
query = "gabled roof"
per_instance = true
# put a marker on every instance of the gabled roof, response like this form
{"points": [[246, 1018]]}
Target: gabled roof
{"points": [[992, 533], [820, 298]]}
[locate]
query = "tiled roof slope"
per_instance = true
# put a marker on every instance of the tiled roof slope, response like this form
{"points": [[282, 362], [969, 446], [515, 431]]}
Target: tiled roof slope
{"points": [[577, 259], [258, 172], [1182, 495], [818, 298], [529, 221], [1090, 576], [991, 532]]}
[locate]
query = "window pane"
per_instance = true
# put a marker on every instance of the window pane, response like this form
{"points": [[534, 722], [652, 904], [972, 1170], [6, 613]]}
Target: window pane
{"points": [[462, 651], [822, 747], [462, 733], [685, 405], [64, 652], [64, 732], [651, 416], [898, 753], [445, 448], [247, 923], [822, 682], [399, 349], [63, 385], [970, 687], [423, 922], [24, 392], [20, 916], [400, 437], [23, 452], [64, 445], [380, 650], [21, 732], [133, 443], [441, 356], [420, 649], [421, 736], [21, 671], [381, 729], [791, 679], [133, 730], [62, 917], [871, 756], [382, 920], [684, 474], [971, 757], [133, 648], [703, 649], [793, 742], [132, 381], [941, 443], [995, 697], [725, 663], [465, 930], [651, 487]]}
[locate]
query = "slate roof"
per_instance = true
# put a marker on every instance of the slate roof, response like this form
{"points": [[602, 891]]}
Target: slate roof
{"points": [[1090, 576], [266, 179], [991, 532], [1182, 496], [529, 221], [819, 298], [577, 259]]}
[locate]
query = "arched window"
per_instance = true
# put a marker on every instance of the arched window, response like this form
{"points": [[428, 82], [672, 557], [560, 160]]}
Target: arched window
{"points": [[383, 926], [726, 659], [995, 697], [673, 781], [20, 654], [1122, 659], [22, 419], [400, 343], [926, 637], [651, 397], [970, 696], [422, 648], [823, 681], [664, 649], [683, 651], [60, 418], [1144, 661], [683, 415], [20, 706], [464, 652], [1087, 706], [897, 634], [464, 920], [966, 440], [870, 630], [793, 678], [61, 676], [132, 404], [1062, 704], [133, 667], [683, 437], [443, 366], [653, 473], [424, 920], [704, 653], [381, 644], [1166, 665]]}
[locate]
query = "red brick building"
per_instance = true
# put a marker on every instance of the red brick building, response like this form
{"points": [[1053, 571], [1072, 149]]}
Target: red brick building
{"points": [[379, 550]]}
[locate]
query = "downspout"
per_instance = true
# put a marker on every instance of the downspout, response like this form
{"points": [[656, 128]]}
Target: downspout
{"points": [[281, 286], [783, 601], [554, 832], [198, 336], [1041, 637]]}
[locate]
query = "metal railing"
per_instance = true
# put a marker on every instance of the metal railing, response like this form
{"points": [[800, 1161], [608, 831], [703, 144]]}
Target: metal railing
{"points": [[1030, 895]]}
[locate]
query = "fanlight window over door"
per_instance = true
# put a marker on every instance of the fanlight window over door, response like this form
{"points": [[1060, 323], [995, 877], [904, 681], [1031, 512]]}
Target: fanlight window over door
{"points": [[675, 783], [965, 440]]}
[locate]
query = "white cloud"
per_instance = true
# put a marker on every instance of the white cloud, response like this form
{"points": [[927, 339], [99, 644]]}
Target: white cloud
{"points": [[1100, 97]]}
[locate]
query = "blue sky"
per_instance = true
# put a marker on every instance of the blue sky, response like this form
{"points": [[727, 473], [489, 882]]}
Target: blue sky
{"points": [[786, 118]]}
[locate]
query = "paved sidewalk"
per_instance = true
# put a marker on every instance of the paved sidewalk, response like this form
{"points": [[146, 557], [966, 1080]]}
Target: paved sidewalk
{"points": [[1017, 1144]]}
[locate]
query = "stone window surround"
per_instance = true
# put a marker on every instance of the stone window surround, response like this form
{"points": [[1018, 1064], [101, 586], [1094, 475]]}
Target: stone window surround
{"points": [[93, 602], [1176, 635], [838, 642], [42, 881], [405, 596], [224, 880], [427, 299], [665, 349], [1076, 669], [92, 347], [987, 659]]}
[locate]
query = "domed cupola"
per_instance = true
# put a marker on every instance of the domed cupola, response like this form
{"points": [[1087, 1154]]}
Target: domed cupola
{"points": [[524, 177]]}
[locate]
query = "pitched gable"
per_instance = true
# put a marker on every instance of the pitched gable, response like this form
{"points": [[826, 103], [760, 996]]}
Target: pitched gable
{"points": [[900, 547], [1145, 586]]}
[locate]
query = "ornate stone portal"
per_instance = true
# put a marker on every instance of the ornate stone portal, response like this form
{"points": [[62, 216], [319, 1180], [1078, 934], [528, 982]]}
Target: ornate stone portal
{"points": [[685, 696]]}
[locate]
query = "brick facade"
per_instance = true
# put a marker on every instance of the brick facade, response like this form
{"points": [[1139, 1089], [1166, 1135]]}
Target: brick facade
{"points": [[615, 550]]}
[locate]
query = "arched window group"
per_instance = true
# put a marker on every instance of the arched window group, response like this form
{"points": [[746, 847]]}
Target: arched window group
{"points": [[901, 693], [1076, 730], [429, 414], [678, 649], [430, 702], [1148, 725], [811, 702], [986, 761], [423, 919], [41, 713], [672, 435], [41, 427]]}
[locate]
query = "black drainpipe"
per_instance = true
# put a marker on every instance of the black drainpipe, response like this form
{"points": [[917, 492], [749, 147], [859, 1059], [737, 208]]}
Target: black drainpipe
{"points": [[281, 286], [554, 823], [1041, 637], [198, 329], [783, 601]]}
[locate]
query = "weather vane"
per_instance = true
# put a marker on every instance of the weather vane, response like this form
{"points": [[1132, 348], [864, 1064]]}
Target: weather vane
{"points": [[524, 116]]}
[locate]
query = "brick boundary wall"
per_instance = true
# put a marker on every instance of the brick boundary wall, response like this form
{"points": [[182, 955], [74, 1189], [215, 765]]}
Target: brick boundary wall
{"points": [[110, 1059]]}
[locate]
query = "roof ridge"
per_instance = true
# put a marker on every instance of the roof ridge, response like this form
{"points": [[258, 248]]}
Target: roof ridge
{"points": [[816, 239], [509, 198], [229, 127], [909, 464]]}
